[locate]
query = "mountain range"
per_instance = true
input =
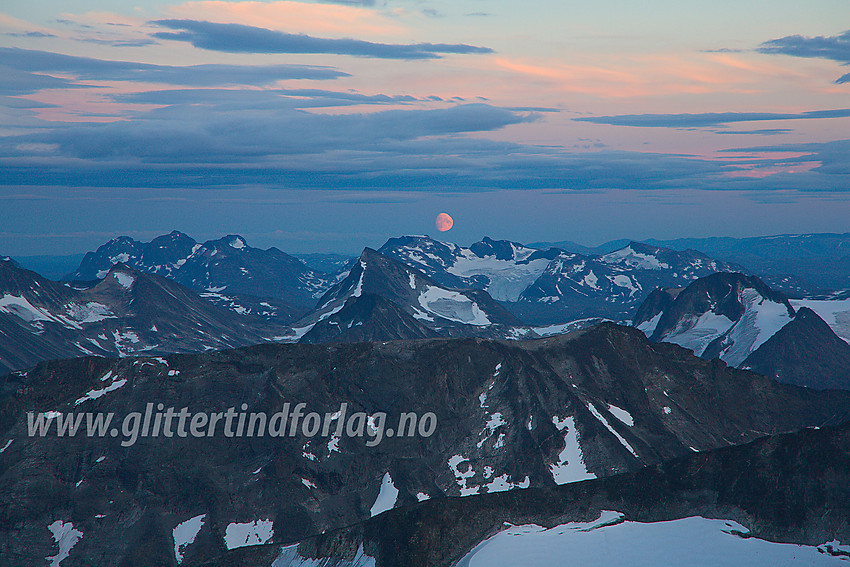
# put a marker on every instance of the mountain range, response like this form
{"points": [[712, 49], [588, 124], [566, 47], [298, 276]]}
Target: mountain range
{"points": [[707, 421], [553, 286], [225, 265], [797, 264], [741, 321], [509, 415], [126, 313], [540, 287], [416, 287]]}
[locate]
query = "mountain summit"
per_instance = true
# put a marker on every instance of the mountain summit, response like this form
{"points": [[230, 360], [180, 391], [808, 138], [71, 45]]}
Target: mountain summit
{"points": [[743, 322], [228, 265]]}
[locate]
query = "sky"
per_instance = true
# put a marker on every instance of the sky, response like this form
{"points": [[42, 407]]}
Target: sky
{"points": [[330, 126]]}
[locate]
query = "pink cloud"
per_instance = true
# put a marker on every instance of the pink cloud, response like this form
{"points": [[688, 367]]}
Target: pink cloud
{"points": [[661, 74], [292, 17]]}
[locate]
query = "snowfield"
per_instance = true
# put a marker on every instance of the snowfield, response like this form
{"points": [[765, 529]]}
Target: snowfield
{"points": [[452, 305], [611, 542]]}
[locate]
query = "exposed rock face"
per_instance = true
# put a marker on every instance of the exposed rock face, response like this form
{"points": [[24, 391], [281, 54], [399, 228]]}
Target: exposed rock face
{"points": [[552, 285], [791, 488], [126, 313], [743, 322], [805, 352], [509, 415], [227, 265], [400, 302]]}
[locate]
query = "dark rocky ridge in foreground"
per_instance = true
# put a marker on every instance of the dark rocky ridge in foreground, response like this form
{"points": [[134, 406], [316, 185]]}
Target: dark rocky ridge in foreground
{"points": [[791, 488], [676, 401]]}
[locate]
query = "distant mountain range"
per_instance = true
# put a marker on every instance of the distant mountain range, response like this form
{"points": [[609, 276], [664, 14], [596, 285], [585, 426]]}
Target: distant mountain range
{"points": [[797, 264], [225, 265], [553, 286], [510, 415], [416, 287]]}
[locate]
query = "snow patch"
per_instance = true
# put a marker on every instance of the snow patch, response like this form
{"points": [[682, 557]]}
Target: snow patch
{"points": [[125, 279], [257, 532], [590, 280], [760, 321], [66, 537], [507, 278], [21, 307], [91, 312], [95, 394], [697, 333], [607, 425], [502, 484], [648, 327], [452, 305], [622, 415], [626, 282], [629, 257], [570, 466], [184, 535], [386, 497], [462, 477]]}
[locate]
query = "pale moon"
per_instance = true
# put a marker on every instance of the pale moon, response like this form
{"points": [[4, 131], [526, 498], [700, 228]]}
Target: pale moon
{"points": [[444, 222]]}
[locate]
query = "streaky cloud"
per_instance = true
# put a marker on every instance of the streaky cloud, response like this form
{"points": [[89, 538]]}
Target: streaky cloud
{"points": [[760, 132], [87, 68], [239, 38], [185, 133], [274, 100], [708, 118], [18, 82]]}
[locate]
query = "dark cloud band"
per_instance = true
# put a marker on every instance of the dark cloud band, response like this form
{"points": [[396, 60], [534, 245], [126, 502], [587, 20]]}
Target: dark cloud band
{"points": [[708, 118], [836, 47], [238, 38], [31, 61]]}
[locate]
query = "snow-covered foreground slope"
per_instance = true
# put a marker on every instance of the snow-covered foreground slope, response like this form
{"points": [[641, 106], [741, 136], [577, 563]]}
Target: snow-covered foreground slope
{"points": [[612, 542], [708, 509]]}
